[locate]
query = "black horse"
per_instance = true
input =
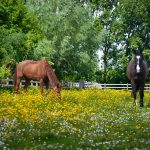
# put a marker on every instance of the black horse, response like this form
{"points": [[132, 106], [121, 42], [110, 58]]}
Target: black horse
{"points": [[137, 71]]}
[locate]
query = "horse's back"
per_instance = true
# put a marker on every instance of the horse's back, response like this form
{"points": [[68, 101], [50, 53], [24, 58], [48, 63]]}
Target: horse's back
{"points": [[22, 64], [31, 69], [30, 63]]}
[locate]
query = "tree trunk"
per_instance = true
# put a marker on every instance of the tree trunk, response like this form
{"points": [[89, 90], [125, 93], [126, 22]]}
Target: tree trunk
{"points": [[105, 64]]}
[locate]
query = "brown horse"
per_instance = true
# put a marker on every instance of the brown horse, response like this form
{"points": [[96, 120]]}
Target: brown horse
{"points": [[36, 70], [137, 72]]}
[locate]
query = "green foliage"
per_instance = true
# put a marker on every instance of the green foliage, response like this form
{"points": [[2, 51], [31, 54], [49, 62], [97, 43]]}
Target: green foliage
{"points": [[43, 49], [127, 22], [69, 33], [69, 40], [18, 31], [4, 72]]}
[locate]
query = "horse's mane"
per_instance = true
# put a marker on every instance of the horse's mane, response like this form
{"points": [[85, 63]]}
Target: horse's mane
{"points": [[51, 75]]}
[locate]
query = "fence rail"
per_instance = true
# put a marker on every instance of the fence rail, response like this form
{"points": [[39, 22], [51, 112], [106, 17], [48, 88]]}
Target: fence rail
{"points": [[81, 84]]}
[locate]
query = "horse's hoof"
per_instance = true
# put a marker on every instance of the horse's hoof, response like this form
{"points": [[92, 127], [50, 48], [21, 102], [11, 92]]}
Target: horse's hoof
{"points": [[135, 103], [141, 105]]}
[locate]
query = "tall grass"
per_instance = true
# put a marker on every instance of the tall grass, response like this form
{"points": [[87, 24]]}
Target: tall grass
{"points": [[83, 119]]}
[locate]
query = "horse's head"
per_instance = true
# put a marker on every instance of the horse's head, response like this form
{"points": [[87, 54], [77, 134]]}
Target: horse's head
{"points": [[138, 59], [57, 90]]}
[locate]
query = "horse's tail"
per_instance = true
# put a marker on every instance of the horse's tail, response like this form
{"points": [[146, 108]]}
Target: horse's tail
{"points": [[15, 77]]}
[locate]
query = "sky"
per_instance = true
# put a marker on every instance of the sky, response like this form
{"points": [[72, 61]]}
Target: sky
{"points": [[100, 54]]}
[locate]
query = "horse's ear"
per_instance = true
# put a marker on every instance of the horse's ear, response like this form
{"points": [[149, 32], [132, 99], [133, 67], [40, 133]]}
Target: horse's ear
{"points": [[134, 51], [141, 48], [141, 51]]}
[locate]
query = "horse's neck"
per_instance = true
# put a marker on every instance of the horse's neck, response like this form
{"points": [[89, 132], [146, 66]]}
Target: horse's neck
{"points": [[52, 77]]}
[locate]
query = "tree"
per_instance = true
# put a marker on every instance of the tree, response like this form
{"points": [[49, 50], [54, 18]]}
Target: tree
{"points": [[18, 31], [71, 41], [127, 23]]}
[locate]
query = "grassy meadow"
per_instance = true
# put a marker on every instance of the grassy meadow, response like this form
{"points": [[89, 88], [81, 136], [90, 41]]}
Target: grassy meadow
{"points": [[84, 119]]}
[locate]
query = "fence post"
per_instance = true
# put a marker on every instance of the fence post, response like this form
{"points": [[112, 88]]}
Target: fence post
{"points": [[127, 86], [31, 82], [104, 85], [7, 81], [36, 83], [81, 84]]}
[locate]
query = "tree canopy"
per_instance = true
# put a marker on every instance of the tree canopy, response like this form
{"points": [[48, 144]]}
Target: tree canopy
{"points": [[69, 35]]}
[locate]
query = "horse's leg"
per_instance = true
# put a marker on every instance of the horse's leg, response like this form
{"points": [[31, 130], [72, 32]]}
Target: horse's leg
{"points": [[46, 82], [47, 86], [41, 85], [134, 95], [141, 95], [17, 84], [133, 84], [26, 84]]}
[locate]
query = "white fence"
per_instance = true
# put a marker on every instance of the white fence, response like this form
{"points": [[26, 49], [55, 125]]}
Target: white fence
{"points": [[114, 86], [9, 82]]}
